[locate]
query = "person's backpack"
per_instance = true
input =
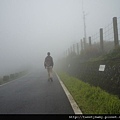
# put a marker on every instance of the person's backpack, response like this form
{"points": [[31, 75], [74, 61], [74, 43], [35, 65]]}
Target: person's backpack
{"points": [[48, 61]]}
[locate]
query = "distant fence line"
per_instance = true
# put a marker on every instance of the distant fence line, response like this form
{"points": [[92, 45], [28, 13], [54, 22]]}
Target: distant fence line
{"points": [[105, 40]]}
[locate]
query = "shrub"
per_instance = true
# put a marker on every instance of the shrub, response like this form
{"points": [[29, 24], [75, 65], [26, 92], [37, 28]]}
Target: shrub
{"points": [[5, 78]]}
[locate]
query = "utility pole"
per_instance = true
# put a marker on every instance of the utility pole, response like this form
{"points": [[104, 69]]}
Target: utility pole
{"points": [[84, 15]]}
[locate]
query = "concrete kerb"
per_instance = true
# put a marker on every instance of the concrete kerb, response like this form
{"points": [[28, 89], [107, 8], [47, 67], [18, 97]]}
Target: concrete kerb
{"points": [[70, 98]]}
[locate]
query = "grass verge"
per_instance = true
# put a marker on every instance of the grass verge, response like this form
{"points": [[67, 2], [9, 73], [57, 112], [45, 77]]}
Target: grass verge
{"points": [[90, 99]]}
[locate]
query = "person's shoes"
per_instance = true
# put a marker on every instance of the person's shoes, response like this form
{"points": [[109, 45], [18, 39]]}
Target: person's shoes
{"points": [[51, 79]]}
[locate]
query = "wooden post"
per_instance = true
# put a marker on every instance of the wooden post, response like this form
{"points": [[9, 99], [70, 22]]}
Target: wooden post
{"points": [[78, 48], [90, 41], [84, 43], [71, 49], [74, 48], [68, 51], [115, 29], [81, 44], [101, 39]]}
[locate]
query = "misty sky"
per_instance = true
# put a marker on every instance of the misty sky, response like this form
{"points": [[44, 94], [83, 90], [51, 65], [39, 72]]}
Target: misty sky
{"points": [[31, 28]]}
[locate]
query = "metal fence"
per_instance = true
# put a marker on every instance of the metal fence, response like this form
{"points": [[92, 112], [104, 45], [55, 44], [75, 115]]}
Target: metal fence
{"points": [[105, 39], [108, 35]]}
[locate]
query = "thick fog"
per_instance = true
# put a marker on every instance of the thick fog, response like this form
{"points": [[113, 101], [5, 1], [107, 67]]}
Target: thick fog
{"points": [[31, 28]]}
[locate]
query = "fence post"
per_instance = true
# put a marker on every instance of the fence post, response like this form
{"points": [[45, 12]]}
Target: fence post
{"points": [[74, 48], [71, 49], [115, 29], [68, 51], [89, 41], [78, 48], [101, 39], [81, 45], [84, 43]]}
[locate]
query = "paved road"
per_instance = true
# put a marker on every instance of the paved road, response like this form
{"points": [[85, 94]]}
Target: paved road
{"points": [[34, 94]]}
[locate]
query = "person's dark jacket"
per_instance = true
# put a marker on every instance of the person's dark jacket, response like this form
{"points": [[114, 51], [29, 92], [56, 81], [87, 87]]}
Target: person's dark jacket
{"points": [[48, 61]]}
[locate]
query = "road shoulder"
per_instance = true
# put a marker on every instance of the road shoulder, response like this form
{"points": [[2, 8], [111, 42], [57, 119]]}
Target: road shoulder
{"points": [[70, 98]]}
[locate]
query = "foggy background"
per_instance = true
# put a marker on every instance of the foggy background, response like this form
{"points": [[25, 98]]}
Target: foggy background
{"points": [[31, 28]]}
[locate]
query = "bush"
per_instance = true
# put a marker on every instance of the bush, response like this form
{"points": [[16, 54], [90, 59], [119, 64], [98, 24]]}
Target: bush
{"points": [[5, 78], [12, 76], [1, 80]]}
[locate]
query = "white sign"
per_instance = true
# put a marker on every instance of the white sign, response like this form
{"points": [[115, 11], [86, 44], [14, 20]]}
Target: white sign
{"points": [[101, 67]]}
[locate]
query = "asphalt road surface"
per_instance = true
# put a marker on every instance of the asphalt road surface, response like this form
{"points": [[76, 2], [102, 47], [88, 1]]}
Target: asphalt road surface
{"points": [[34, 94]]}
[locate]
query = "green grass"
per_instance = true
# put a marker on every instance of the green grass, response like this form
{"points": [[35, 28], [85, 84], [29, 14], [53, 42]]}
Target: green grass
{"points": [[90, 99]]}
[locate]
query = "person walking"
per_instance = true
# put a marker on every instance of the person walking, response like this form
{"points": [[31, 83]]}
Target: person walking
{"points": [[48, 64]]}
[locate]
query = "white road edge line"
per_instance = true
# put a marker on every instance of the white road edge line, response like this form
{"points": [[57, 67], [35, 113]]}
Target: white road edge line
{"points": [[70, 98]]}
